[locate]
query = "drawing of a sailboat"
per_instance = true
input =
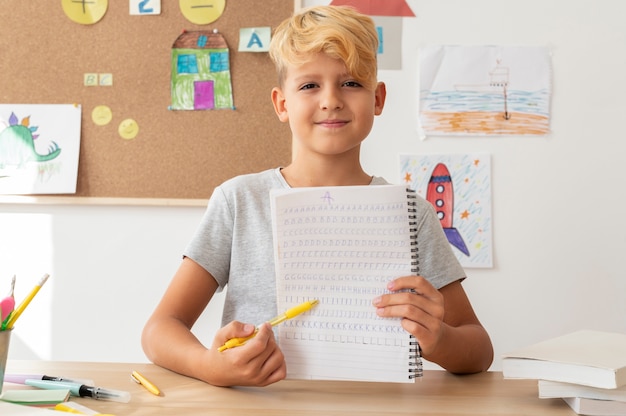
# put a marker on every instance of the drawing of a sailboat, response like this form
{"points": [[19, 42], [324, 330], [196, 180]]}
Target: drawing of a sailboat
{"points": [[498, 82]]}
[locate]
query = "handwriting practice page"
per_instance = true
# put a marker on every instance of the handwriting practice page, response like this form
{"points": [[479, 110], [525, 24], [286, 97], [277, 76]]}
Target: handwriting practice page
{"points": [[341, 245]]}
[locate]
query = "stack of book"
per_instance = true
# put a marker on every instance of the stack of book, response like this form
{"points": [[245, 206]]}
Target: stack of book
{"points": [[587, 369]]}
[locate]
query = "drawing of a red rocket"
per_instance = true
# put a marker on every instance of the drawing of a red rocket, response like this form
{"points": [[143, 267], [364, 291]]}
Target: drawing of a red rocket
{"points": [[441, 195]]}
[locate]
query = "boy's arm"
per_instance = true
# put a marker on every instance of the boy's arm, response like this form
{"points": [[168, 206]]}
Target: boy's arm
{"points": [[168, 341], [443, 322], [464, 345]]}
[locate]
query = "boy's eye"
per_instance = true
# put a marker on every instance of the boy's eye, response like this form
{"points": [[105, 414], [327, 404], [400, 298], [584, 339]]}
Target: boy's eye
{"points": [[351, 84], [307, 86]]}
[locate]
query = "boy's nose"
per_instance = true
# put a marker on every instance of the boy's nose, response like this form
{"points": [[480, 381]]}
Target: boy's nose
{"points": [[331, 100]]}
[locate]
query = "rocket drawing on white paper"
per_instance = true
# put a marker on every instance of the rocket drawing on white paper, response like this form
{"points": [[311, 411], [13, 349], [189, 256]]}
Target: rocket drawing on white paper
{"points": [[440, 194]]}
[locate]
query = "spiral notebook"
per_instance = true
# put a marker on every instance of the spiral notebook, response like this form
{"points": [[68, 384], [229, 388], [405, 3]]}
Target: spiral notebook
{"points": [[341, 245]]}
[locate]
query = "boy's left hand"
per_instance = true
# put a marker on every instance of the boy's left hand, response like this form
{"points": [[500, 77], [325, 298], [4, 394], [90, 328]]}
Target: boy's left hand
{"points": [[421, 307]]}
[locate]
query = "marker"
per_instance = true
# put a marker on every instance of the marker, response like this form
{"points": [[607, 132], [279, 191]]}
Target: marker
{"points": [[296, 310], [6, 307], [8, 303], [18, 311], [138, 378], [82, 390], [21, 378]]}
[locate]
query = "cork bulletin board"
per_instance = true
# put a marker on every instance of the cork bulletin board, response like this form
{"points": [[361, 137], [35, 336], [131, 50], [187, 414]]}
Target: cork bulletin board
{"points": [[177, 154]]}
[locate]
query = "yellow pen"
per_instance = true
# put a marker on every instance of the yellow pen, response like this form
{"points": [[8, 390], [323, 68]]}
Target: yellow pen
{"points": [[138, 378], [18, 311], [296, 310]]}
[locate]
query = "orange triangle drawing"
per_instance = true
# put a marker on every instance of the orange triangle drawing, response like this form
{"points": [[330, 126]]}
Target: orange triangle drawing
{"points": [[378, 7]]}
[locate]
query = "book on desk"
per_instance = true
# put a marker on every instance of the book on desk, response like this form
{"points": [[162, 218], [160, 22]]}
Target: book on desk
{"points": [[586, 400], [586, 368], [595, 407], [551, 389]]}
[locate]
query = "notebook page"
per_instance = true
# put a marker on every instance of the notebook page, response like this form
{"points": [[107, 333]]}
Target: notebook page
{"points": [[341, 245]]}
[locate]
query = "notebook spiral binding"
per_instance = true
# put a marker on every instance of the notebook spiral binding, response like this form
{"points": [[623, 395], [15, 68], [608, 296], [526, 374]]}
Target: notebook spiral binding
{"points": [[415, 364]]}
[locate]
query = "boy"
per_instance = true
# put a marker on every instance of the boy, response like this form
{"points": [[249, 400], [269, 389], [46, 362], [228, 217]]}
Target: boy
{"points": [[329, 94]]}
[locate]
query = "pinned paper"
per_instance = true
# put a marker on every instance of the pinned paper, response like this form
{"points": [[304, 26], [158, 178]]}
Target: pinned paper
{"points": [[105, 80], [202, 12], [201, 77], [90, 80], [389, 42], [144, 7], [39, 148], [85, 12], [459, 188], [484, 90], [128, 129], [254, 39], [101, 115], [95, 80]]}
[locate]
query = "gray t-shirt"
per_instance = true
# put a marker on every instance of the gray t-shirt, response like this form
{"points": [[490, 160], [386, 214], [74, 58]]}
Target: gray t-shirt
{"points": [[234, 244]]}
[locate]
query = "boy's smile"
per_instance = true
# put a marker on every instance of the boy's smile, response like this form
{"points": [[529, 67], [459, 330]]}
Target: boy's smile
{"points": [[332, 123]]}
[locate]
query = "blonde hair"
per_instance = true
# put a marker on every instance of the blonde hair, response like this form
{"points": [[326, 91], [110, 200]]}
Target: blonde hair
{"points": [[337, 31]]}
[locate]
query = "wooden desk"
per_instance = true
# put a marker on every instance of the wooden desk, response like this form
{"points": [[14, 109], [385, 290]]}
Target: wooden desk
{"points": [[438, 393]]}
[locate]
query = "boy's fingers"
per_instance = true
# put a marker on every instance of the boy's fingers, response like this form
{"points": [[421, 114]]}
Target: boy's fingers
{"points": [[415, 284], [238, 329], [233, 329], [264, 333]]}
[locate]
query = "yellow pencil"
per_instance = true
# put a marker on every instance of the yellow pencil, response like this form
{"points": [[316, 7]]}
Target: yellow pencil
{"points": [[18, 311], [295, 311]]}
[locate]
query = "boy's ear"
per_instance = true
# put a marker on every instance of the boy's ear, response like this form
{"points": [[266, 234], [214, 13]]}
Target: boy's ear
{"points": [[380, 95], [278, 99]]}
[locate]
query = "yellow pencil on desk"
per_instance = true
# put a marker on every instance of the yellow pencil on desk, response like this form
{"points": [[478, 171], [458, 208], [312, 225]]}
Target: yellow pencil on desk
{"points": [[18, 311], [138, 378], [296, 310]]}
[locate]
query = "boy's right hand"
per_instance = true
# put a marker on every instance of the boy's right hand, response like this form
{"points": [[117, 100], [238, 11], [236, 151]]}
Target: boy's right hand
{"points": [[259, 362]]}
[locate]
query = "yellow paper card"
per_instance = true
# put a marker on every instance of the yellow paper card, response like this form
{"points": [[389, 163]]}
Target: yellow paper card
{"points": [[202, 12], [85, 12]]}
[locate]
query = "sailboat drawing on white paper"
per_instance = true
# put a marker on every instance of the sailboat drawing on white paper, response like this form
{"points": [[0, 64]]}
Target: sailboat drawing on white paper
{"points": [[484, 90]]}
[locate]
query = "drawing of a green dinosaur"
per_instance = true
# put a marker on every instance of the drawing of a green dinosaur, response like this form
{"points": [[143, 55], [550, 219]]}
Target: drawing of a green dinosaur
{"points": [[17, 144]]}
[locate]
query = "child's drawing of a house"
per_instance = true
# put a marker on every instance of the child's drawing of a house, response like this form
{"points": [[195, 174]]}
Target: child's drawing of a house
{"points": [[201, 72]]}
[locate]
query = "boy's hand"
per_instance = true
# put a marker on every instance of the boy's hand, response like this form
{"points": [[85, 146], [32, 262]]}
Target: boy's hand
{"points": [[259, 362], [422, 309]]}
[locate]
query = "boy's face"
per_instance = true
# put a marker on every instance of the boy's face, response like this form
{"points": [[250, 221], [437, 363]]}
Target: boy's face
{"points": [[328, 111]]}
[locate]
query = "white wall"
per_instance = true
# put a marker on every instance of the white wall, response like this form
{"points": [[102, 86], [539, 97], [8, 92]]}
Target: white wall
{"points": [[109, 266], [559, 230]]}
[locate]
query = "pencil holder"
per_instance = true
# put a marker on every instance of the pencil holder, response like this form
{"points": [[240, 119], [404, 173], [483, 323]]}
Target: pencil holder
{"points": [[5, 338]]}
